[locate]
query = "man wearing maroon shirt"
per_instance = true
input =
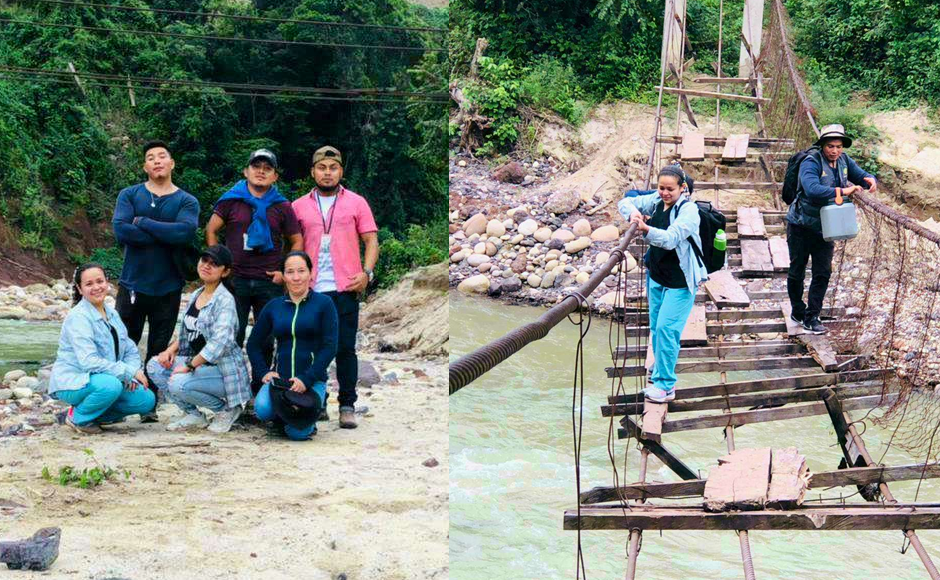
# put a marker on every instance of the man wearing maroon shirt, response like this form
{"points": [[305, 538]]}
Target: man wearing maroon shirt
{"points": [[259, 222]]}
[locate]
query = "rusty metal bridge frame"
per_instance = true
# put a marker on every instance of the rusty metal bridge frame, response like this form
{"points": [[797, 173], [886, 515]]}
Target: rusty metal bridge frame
{"points": [[757, 249]]}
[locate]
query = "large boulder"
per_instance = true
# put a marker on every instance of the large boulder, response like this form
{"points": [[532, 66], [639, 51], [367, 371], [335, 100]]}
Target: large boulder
{"points": [[478, 284], [475, 225], [562, 202], [605, 234], [13, 376], [13, 312], [511, 172]]}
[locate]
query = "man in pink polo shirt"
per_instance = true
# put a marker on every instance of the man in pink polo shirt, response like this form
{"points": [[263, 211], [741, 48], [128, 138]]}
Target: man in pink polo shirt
{"points": [[334, 221]]}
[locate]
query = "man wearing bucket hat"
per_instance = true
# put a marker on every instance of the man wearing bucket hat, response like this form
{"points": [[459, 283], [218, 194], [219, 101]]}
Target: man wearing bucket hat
{"points": [[335, 221], [824, 174], [259, 223]]}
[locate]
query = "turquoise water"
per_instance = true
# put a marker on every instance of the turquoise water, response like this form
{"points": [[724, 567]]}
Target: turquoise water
{"points": [[512, 474], [27, 345]]}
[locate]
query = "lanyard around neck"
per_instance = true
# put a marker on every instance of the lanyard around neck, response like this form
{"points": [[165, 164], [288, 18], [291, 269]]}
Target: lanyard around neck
{"points": [[326, 228]]}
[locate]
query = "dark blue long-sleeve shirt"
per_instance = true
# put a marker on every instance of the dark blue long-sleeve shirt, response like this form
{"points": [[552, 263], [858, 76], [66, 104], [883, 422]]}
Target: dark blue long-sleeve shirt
{"points": [[151, 228], [819, 181], [306, 335]]}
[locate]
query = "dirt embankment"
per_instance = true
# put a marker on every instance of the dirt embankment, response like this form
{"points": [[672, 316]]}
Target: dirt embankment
{"points": [[354, 504]]}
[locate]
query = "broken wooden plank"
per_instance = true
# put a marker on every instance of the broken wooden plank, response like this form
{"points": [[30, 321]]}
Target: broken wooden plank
{"points": [[725, 291], [824, 479], [821, 350], [694, 333], [693, 147], [794, 328], [661, 453], [654, 415], [789, 479], [735, 148], [755, 258], [724, 365], [739, 482], [713, 95], [750, 223], [764, 415], [779, 254], [760, 385], [645, 517]]}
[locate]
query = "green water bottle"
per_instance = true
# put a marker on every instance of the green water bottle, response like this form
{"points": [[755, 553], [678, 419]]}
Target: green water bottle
{"points": [[721, 241]]}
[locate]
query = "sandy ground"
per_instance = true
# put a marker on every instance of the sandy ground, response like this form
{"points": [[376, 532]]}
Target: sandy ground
{"points": [[348, 504]]}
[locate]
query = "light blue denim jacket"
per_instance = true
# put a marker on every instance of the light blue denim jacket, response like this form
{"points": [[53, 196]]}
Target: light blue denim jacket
{"points": [[86, 347], [684, 223]]}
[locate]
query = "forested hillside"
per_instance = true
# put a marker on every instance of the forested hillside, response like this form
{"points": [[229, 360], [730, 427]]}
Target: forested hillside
{"points": [[209, 77]]}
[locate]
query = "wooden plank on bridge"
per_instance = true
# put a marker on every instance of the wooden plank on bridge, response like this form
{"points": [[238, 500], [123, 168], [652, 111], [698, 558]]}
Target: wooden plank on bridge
{"points": [[762, 142], [755, 258], [750, 224], [779, 254], [745, 327], [654, 415], [714, 95], [789, 479], [735, 148], [761, 385], [723, 365], [821, 350], [794, 328], [725, 291], [693, 147], [694, 333], [823, 479], [726, 350], [746, 185], [739, 482], [812, 518]]}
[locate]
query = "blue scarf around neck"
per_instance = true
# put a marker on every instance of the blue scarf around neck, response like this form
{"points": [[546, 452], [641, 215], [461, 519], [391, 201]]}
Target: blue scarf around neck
{"points": [[259, 232]]}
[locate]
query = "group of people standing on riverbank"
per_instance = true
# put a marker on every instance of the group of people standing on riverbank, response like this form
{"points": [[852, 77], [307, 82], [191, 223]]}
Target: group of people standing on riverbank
{"points": [[296, 266]]}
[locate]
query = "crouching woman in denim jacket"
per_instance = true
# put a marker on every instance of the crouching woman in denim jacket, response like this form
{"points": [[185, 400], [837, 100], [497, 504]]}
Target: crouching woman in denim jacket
{"points": [[668, 219], [97, 368]]}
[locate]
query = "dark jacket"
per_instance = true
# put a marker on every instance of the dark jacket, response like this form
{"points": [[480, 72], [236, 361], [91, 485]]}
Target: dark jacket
{"points": [[306, 336], [818, 183]]}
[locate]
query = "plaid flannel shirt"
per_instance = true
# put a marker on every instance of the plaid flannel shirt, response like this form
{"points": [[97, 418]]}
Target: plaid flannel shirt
{"points": [[218, 323]]}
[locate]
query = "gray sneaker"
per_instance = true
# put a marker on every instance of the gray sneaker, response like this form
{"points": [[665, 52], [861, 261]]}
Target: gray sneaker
{"points": [[188, 421], [224, 420]]}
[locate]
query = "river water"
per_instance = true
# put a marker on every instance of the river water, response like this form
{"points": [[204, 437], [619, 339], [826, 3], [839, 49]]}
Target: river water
{"points": [[27, 345], [512, 473]]}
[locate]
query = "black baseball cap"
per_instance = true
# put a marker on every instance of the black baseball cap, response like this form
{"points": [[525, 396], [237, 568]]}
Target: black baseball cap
{"points": [[219, 254], [263, 155]]}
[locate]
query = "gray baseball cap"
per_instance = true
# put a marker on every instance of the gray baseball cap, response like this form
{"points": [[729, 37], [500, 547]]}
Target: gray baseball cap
{"points": [[263, 155]]}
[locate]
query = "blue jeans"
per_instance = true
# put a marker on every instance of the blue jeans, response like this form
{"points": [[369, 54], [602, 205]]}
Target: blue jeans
{"points": [[669, 311], [200, 388], [264, 410], [105, 399]]}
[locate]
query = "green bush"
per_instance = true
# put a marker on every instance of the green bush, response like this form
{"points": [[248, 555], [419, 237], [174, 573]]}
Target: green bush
{"points": [[550, 85], [420, 246], [111, 258]]}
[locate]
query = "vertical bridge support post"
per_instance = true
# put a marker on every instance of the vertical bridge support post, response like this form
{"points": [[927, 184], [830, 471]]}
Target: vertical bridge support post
{"points": [[751, 28]]}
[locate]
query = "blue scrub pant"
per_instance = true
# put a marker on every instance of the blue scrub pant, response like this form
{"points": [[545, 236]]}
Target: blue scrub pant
{"points": [[669, 311], [105, 399], [264, 410]]}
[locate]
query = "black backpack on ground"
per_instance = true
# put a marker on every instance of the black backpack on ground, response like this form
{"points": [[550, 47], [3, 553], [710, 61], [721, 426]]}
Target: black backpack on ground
{"points": [[791, 181], [710, 221]]}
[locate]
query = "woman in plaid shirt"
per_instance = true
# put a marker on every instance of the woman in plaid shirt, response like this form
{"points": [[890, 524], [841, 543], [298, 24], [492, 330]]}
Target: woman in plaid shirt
{"points": [[205, 367]]}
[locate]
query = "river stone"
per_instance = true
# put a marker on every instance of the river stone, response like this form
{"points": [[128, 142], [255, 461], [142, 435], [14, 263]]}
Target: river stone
{"points": [[577, 245], [582, 227], [518, 265], [22, 393], [582, 277], [542, 234], [458, 256], [33, 304], [462, 163], [491, 249], [564, 236], [495, 228], [13, 376], [528, 179], [6, 394], [562, 202], [511, 172], [528, 227], [33, 288], [631, 263], [478, 284], [479, 248], [13, 312], [511, 284], [475, 225], [477, 259], [512, 212], [605, 234], [550, 265], [27, 383], [608, 298], [484, 267], [601, 258], [534, 280], [548, 280]]}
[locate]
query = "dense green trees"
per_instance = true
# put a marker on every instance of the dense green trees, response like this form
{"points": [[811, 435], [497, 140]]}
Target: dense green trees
{"points": [[61, 150]]}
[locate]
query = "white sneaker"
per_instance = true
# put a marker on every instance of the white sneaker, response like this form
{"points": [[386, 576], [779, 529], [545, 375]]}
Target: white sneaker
{"points": [[224, 420], [188, 421], [658, 395]]}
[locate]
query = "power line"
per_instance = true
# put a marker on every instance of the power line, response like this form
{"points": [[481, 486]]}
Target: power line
{"points": [[248, 18], [294, 96], [442, 96], [227, 38]]}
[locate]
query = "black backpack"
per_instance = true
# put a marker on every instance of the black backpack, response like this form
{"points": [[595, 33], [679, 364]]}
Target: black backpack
{"points": [[791, 182], [710, 221]]}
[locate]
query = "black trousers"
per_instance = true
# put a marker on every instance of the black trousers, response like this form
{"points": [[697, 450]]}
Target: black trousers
{"points": [[160, 312], [347, 364], [803, 243], [251, 296]]}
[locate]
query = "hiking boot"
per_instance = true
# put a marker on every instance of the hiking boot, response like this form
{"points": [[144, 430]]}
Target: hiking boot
{"points": [[188, 421], [657, 395], [84, 428], [813, 326], [347, 418], [224, 420]]}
